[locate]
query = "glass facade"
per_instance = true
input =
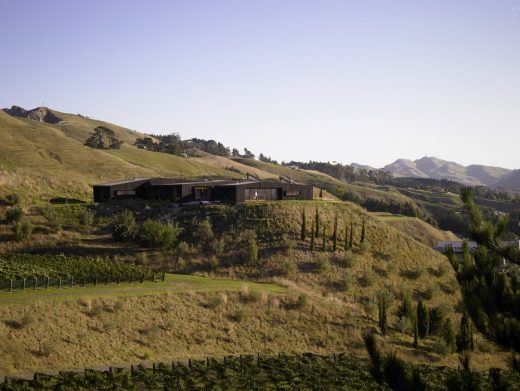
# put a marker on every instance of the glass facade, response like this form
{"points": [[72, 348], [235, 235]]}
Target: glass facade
{"points": [[260, 194]]}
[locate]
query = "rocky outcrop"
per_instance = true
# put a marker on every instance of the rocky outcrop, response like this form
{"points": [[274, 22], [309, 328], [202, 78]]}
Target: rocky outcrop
{"points": [[41, 114]]}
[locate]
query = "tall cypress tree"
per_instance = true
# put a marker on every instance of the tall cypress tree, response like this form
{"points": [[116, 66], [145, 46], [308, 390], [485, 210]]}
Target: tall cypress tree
{"points": [[415, 333], [317, 222], [351, 239], [363, 232], [323, 245], [423, 319], [335, 234], [312, 238], [304, 226], [345, 245]]}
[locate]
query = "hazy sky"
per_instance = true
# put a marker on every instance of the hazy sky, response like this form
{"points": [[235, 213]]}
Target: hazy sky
{"points": [[363, 81]]}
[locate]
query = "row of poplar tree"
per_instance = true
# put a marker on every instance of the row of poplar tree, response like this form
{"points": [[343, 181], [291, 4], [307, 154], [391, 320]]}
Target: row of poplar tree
{"points": [[317, 229]]}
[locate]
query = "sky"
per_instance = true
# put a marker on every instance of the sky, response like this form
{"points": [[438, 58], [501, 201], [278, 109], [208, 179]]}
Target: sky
{"points": [[348, 81]]}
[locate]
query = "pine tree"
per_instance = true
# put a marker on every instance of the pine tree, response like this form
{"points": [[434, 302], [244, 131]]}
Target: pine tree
{"points": [[324, 243], [423, 321], [465, 336], [335, 234], [383, 319], [345, 245], [304, 226], [312, 238], [363, 232], [317, 222], [351, 239]]}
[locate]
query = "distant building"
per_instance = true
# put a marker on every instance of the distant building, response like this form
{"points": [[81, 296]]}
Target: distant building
{"points": [[184, 191], [457, 246]]}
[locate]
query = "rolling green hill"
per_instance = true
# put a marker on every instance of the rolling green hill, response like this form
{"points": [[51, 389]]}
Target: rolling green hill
{"points": [[41, 160]]}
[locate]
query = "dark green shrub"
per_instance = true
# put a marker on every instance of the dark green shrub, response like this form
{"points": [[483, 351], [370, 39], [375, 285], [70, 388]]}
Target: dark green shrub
{"points": [[13, 214], [86, 218], [54, 219], [238, 316], [251, 253], [22, 230], [12, 199], [155, 234], [288, 268], [322, 263], [124, 227], [286, 244]]}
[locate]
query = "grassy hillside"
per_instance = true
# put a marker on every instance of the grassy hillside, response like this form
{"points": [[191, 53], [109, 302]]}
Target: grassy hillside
{"points": [[417, 228], [331, 297], [43, 160]]}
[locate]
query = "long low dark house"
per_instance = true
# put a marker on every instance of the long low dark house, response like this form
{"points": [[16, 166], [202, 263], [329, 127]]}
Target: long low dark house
{"points": [[182, 191]]}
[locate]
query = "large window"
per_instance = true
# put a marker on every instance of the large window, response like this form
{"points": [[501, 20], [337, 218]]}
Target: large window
{"points": [[125, 192], [292, 193], [260, 194], [201, 193]]}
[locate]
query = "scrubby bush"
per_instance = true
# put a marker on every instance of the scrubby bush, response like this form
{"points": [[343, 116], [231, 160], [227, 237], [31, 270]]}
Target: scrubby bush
{"points": [[183, 248], [347, 259], [322, 263], [13, 214], [431, 291], [12, 199], [158, 235], [346, 282], [288, 268], [251, 251], [22, 229], [124, 226], [286, 244], [419, 271], [86, 218], [368, 278], [238, 316], [54, 220]]}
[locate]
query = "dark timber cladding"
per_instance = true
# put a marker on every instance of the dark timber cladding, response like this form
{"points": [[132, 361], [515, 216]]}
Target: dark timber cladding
{"points": [[183, 191]]}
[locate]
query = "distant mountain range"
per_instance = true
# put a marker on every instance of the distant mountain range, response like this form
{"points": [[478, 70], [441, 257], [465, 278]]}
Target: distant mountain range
{"points": [[473, 175]]}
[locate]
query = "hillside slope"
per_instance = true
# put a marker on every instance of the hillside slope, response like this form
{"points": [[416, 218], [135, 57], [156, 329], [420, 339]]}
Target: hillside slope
{"points": [[41, 159]]}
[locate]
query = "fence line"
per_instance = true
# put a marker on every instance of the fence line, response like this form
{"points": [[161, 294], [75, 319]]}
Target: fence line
{"points": [[26, 284], [234, 360]]}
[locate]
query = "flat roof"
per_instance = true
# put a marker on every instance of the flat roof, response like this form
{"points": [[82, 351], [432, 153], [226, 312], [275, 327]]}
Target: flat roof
{"points": [[121, 181]]}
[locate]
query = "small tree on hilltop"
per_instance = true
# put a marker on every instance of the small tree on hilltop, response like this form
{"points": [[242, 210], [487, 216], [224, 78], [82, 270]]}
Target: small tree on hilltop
{"points": [[303, 233], [423, 320]]}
